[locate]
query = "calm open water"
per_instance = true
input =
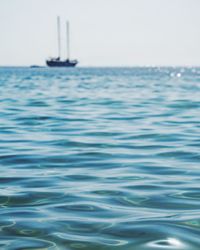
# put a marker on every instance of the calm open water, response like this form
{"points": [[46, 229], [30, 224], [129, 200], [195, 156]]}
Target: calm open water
{"points": [[100, 158]]}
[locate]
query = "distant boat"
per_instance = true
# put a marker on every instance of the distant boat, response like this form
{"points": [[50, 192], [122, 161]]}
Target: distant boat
{"points": [[57, 62], [35, 66]]}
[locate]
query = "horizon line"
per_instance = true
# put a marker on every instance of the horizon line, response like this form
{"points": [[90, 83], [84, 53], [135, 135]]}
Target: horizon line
{"points": [[108, 66]]}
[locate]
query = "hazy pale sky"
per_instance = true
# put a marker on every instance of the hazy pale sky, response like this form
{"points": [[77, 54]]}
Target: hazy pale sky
{"points": [[103, 32]]}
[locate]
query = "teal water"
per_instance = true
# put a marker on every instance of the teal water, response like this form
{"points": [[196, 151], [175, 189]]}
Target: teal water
{"points": [[100, 158]]}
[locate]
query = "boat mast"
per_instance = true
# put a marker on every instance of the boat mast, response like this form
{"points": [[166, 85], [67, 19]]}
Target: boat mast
{"points": [[58, 28], [67, 38]]}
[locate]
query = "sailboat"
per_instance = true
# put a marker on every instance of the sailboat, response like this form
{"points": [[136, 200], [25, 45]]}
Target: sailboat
{"points": [[57, 62]]}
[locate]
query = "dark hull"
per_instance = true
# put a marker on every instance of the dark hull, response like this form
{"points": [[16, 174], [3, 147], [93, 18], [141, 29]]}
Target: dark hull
{"points": [[64, 64]]}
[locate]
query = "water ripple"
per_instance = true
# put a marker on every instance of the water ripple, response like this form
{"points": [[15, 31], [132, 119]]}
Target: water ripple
{"points": [[102, 158]]}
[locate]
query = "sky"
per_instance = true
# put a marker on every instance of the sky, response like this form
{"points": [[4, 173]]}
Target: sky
{"points": [[102, 32]]}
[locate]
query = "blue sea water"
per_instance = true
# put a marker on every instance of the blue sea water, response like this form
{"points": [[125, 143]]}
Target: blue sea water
{"points": [[100, 158]]}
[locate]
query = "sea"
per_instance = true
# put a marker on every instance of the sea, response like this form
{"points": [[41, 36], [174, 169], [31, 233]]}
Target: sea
{"points": [[100, 158]]}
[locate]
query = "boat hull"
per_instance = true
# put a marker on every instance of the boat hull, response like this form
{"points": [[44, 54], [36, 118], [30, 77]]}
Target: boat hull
{"points": [[64, 64]]}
